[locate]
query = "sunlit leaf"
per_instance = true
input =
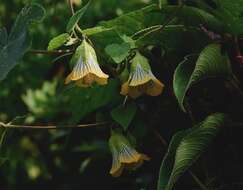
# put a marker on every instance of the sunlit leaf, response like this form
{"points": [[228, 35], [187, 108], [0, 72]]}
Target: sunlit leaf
{"points": [[58, 41]]}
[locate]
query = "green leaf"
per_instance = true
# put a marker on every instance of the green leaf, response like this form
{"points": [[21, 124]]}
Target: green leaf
{"points": [[193, 16], [58, 41], [174, 38], [113, 31], [210, 63], [30, 13], [76, 17], [3, 37], [186, 147], [95, 30], [90, 99], [18, 42], [230, 12], [169, 158], [162, 3], [135, 21], [124, 114], [118, 52]]}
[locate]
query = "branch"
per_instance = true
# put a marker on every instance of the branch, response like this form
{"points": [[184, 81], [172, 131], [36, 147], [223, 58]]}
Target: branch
{"points": [[9, 125], [35, 51]]}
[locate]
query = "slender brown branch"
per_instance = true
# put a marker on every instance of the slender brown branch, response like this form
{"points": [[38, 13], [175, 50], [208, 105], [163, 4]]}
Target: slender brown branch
{"points": [[71, 6], [158, 135], [9, 125], [198, 181], [35, 51]]}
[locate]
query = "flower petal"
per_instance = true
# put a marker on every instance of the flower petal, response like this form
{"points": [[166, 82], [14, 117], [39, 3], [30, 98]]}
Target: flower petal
{"points": [[135, 91], [78, 72], [101, 81], [124, 89], [128, 155], [139, 76], [95, 68], [156, 88], [117, 167]]}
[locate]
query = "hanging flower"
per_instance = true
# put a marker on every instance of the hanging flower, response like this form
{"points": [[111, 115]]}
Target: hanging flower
{"points": [[124, 155], [141, 79], [86, 70]]}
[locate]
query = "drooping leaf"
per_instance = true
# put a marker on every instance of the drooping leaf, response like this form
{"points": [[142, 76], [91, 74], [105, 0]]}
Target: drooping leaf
{"points": [[210, 63], [124, 114], [90, 99], [76, 17], [18, 42], [58, 41], [169, 158], [118, 52], [186, 147]]}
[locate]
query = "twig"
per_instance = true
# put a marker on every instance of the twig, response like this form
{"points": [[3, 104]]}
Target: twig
{"points": [[71, 6], [157, 134], [72, 10], [8, 125], [197, 180], [160, 27], [35, 51]]}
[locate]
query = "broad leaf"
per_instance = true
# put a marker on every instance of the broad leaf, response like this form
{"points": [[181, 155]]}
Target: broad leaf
{"points": [[90, 99], [76, 17], [28, 14], [18, 42], [3, 37], [230, 11], [112, 31], [124, 114], [174, 38], [193, 16], [118, 52], [186, 147], [137, 20], [210, 63], [58, 41]]}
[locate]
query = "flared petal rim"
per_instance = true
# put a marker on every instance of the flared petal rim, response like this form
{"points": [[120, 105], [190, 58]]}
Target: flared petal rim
{"points": [[87, 73]]}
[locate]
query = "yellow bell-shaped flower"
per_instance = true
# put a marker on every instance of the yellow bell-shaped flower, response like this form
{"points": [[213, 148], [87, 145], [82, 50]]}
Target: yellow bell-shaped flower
{"points": [[86, 70], [141, 79], [124, 155]]}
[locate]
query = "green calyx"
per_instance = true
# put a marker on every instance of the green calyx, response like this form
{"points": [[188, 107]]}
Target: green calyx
{"points": [[117, 140], [140, 60], [83, 51]]}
